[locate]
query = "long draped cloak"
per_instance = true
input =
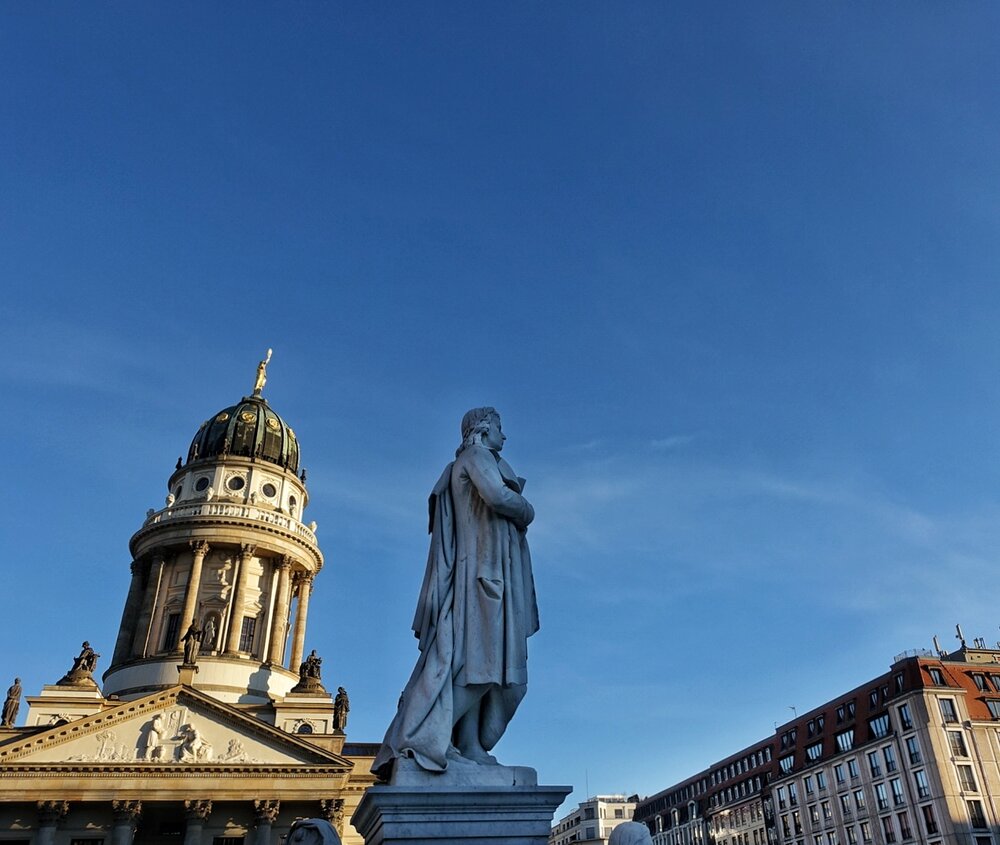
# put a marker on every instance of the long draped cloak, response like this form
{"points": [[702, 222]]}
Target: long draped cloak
{"points": [[475, 613]]}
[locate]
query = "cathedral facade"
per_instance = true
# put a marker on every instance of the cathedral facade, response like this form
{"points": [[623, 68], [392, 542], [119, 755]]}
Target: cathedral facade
{"points": [[211, 726]]}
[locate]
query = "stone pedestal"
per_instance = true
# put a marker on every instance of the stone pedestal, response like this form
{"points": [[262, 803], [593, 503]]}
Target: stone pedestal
{"points": [[453, 809]]}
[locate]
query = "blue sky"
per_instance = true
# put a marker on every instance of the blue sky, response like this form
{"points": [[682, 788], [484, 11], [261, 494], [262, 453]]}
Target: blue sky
{"points": [[730, 273]]}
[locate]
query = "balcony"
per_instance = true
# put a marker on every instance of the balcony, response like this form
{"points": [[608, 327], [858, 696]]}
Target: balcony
{"points": [[231, 510]]}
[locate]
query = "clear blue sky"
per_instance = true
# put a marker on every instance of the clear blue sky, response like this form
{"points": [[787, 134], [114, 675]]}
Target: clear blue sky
{"points": [[730, 273]]}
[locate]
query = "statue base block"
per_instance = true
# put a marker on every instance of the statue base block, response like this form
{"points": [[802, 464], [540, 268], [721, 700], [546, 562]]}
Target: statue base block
{"points": [[464, 814]]}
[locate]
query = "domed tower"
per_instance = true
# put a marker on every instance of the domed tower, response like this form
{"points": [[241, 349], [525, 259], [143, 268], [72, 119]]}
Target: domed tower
{"points": [[229, 553]]}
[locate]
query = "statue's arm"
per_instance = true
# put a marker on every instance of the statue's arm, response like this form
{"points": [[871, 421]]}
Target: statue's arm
{"points": [[485, 477]]}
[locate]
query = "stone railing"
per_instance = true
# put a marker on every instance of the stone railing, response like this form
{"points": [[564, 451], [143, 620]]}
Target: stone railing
{"points": [[232, 510]]}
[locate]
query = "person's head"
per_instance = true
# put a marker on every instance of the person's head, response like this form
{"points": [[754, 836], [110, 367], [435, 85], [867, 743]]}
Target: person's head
{"points": [[630, 833], [481, 426], [312, 832]]}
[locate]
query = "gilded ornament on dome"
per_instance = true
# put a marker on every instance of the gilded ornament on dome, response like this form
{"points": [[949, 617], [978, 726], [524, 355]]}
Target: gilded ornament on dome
{"points": [[273, 424], [248, 417], [290, 432], [222, 417]]}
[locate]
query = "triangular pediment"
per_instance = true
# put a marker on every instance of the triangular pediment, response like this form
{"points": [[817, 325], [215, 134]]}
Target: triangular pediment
{"points": [[176, 727]]}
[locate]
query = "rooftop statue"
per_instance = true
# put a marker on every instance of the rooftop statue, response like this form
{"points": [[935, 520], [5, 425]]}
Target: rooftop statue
{"points": [[261, 380], [192, 644], [83, 667], [475, 612], [11, 705]]}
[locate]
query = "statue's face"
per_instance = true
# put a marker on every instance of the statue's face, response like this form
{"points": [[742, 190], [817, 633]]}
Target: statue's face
{"points": [[494, 437]]}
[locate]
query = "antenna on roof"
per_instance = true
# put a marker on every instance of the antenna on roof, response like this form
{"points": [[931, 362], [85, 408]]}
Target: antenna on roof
{"points": [[795, 712], [937, 646], [959, 635]]}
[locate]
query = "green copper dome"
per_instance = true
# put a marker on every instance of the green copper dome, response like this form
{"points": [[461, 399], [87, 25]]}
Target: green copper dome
{"points": [[249, 429]]}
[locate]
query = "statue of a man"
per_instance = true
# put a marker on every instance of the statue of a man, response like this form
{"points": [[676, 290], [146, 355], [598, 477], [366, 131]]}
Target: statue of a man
{"points": [[12, 704], [86, 661], [310, 667], [341, 707], [475, 612], [192, 643]]}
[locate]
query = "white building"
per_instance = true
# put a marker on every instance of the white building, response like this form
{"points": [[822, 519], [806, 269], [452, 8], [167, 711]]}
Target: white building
{"points": [[593, 820]]}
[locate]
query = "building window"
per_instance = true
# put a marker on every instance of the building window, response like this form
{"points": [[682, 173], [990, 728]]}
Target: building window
{"points": [[845, 740], [825, 810], [809, 784], [845, 804], [913, 749], [821, 780], [890, 758], [957, 744], [980, 681], [785, 829], [994, 706], [881, 797], [995, 680], [852, 706], [852, 768], [936, 677], [859, 800], [838, 773], [797, 823], [923, 788], [879, 726], [852, 835], [930, 823], [619, 813], [841, 713], [875, 764], [905, 719], [898, 681], [814, 751], [246, 633], [948, 712], [966, 780], [889, 829], [786, 763], [904, 826], [976, 815], [172, 632], [793, 795], [591, 832], [897, 792], [782, 802], [588, 813], [866, 832], [873, 699], [831, 838]]}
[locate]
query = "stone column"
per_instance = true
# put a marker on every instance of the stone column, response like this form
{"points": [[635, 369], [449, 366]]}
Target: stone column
{"points": [[141, 640], [197, 813], [239, 599], [265, 815], [332, 809], [130, 616], [304, 582], [279, 621], [199, 548], [50, 813], [126, 815]]}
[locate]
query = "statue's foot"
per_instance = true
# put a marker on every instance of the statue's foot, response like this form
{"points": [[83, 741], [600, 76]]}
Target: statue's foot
{"points": [[476, 755]]}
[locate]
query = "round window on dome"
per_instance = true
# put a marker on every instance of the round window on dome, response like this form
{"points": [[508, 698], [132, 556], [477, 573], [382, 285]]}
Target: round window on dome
{"points": [[237, 482], [201, 484], [269, 490]]}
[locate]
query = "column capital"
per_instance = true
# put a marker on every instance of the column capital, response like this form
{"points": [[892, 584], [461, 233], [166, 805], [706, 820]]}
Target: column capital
{"points": [[126, 811], [52, 812], [303, 578], [332, 809], [284, 562], [199, 547], [265, 811], [198, 809], [247, 550]]}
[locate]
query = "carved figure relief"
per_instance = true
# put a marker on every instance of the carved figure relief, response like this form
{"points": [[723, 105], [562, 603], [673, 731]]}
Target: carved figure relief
{"points": [[193, 748]]}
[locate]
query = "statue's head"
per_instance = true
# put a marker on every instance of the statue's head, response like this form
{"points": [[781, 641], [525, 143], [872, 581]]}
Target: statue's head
{"points": [[630, 833], [481, 426], [312, 832]]}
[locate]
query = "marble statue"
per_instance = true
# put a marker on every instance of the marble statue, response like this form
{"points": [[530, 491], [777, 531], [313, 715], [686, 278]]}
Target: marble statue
{"points": [[154, 739], [310, 667], [192, 643], [12, 704], [341, 707], [261, 379], [208, 637], [475, 612], [312, 832], [631, 833], [193, 748]]}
